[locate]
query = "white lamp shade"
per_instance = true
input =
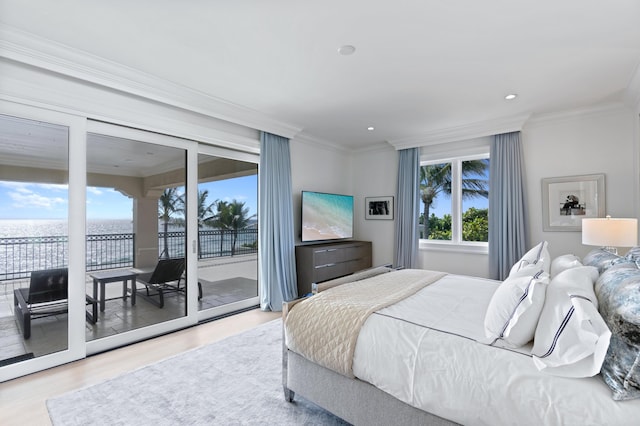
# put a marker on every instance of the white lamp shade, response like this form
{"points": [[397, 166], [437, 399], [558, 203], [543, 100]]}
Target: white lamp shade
{"points": [[610, 232]]}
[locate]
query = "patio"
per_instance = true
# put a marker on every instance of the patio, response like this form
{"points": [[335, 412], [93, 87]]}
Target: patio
{"points": [[224, 280]]}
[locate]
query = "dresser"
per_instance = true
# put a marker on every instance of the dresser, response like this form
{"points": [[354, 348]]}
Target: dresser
{"points": [[321, 262]]}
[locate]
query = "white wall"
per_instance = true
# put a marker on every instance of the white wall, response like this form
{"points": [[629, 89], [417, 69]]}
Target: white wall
{"points": [[590, 143], [374, 174], [603, 141], [318, 167], [476, 264]]}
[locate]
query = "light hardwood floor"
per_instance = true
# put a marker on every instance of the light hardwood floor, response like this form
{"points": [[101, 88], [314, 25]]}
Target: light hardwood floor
{"points": [[22, 400]]}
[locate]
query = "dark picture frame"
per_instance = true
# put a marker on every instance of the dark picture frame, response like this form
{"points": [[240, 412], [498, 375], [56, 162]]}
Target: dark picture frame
{"points": [[378, 208]]}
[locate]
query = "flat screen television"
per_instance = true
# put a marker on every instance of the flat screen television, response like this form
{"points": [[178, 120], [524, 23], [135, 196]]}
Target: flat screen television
{"points": [[326, 216]]}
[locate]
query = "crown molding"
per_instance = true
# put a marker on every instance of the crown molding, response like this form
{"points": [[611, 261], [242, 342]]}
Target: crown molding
{"points": [[464, 132], [560, 116], [377, 147], [320, 143], [23, 47], [332, 146]]}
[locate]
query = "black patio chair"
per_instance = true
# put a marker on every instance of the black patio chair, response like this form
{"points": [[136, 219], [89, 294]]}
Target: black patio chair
{"points": [[165, 278], [46, 296]]}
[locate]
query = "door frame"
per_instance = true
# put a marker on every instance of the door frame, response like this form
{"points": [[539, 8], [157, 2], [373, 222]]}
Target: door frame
{"points": [[217, 151], [76, 348], [190, 148]]}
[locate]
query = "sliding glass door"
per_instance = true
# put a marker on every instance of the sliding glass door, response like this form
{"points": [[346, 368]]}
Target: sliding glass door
{"points": [[136, 216], [42, 309], [34, 235], [138, 208], [227, 231], [110, 235]]}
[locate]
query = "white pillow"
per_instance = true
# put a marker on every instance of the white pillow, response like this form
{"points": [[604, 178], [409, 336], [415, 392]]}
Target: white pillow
{"points": [[514, 309], [564, 262], [535, 259], [571, 339]]}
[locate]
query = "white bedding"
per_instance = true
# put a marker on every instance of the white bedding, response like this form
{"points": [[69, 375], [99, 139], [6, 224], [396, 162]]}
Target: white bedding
{"points": [[414, 351]]}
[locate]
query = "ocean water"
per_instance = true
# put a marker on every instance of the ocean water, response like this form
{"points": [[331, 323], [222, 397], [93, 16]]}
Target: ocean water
{"points": [[10, 228], [24, 248], [20, 255]]}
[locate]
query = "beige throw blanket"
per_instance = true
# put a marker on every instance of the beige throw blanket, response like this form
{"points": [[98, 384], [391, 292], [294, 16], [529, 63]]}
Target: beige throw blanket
{"points": [[324, 328]]}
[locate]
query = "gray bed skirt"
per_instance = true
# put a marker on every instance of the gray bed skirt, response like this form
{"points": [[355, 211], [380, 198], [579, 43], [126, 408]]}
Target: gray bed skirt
{"points": [[353, 400]]}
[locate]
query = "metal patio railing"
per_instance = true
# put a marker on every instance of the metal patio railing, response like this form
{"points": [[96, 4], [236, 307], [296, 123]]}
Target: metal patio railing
{"points": [[21, 255]]}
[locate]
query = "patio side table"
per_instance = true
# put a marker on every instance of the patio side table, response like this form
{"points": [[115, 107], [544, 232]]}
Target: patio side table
{"points": [[120, 275]]}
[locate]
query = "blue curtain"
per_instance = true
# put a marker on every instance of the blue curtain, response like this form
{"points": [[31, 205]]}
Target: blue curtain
{"points": [[408, 208], [507, 209], [275, 221]]}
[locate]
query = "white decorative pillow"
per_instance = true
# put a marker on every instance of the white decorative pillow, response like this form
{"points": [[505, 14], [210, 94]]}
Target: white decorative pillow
{"points": [[514, 309], [564, 262], [535, 259], [571, 339]]}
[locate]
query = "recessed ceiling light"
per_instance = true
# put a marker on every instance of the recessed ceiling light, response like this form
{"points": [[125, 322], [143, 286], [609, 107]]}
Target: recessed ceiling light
{"points": [[347, 49], [511, 96], [370, 128]]}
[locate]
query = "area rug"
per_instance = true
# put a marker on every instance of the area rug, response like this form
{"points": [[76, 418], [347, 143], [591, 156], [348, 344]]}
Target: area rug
{"points": [[236, 381]]}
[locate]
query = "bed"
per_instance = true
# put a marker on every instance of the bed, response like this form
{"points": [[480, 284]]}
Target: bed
{"points": [[555, 343]]}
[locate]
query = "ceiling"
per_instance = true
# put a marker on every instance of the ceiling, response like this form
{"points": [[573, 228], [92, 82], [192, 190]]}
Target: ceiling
{"points": [[420, 66], [28, 145]]}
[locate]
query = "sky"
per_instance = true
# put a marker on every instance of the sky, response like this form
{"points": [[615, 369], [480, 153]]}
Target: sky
{"points": [[442, 204], [23, 200]]}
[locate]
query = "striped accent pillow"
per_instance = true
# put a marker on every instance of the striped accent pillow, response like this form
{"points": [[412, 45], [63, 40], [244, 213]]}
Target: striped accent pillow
{"points": [[514, 309], [571, 338], [535, 259]]}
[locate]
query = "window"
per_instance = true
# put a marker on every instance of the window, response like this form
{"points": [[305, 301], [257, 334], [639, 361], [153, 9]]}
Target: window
{"points": [[454, 197]]}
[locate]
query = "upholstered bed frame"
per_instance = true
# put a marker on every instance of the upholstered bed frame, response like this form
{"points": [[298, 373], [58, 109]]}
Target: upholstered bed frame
{"points": [[353, 400], [572, 392]]}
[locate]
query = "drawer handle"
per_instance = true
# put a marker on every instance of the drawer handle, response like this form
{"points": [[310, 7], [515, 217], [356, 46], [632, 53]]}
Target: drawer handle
{"points": [[328, 265]]}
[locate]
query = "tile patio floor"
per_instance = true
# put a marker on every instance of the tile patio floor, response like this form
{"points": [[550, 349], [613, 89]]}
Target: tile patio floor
{"points": [[224, 280]]}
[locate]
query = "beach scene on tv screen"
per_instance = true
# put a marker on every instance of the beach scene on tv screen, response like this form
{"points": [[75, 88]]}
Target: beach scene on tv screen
{"points": [[326, 216]]}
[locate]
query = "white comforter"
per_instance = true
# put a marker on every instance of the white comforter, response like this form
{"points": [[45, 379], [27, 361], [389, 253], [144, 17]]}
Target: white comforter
{"points": [[414, 351]]}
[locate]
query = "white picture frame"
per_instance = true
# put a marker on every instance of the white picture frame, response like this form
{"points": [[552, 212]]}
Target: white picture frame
{"points": [[567, 200]]}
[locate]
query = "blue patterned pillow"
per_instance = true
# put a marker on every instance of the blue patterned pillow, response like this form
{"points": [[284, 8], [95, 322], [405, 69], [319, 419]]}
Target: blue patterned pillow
{"points": [[633, 254], [618, 291], [602, 259], [609, 282]]}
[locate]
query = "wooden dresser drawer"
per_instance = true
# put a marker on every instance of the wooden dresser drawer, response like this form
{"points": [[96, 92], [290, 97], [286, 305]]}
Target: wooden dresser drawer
{"points": [[321, 262]]}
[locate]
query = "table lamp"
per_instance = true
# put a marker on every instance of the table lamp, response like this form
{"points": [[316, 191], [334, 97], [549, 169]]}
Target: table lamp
{"points": [[609, 233]]}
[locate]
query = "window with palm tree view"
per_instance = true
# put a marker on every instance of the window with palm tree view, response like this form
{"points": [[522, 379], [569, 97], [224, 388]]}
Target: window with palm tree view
{"points": [[454, 200]]}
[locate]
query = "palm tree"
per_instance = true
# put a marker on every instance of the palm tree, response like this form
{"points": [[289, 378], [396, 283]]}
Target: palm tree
{"points": [[168, 204], [231, 217], [239, 220], [436, 179], [205, 213], [220, 219]]}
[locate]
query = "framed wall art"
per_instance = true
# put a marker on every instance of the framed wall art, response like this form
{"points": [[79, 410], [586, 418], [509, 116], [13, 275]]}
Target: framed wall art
{"points": [[378, 208], [567, 200]]}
